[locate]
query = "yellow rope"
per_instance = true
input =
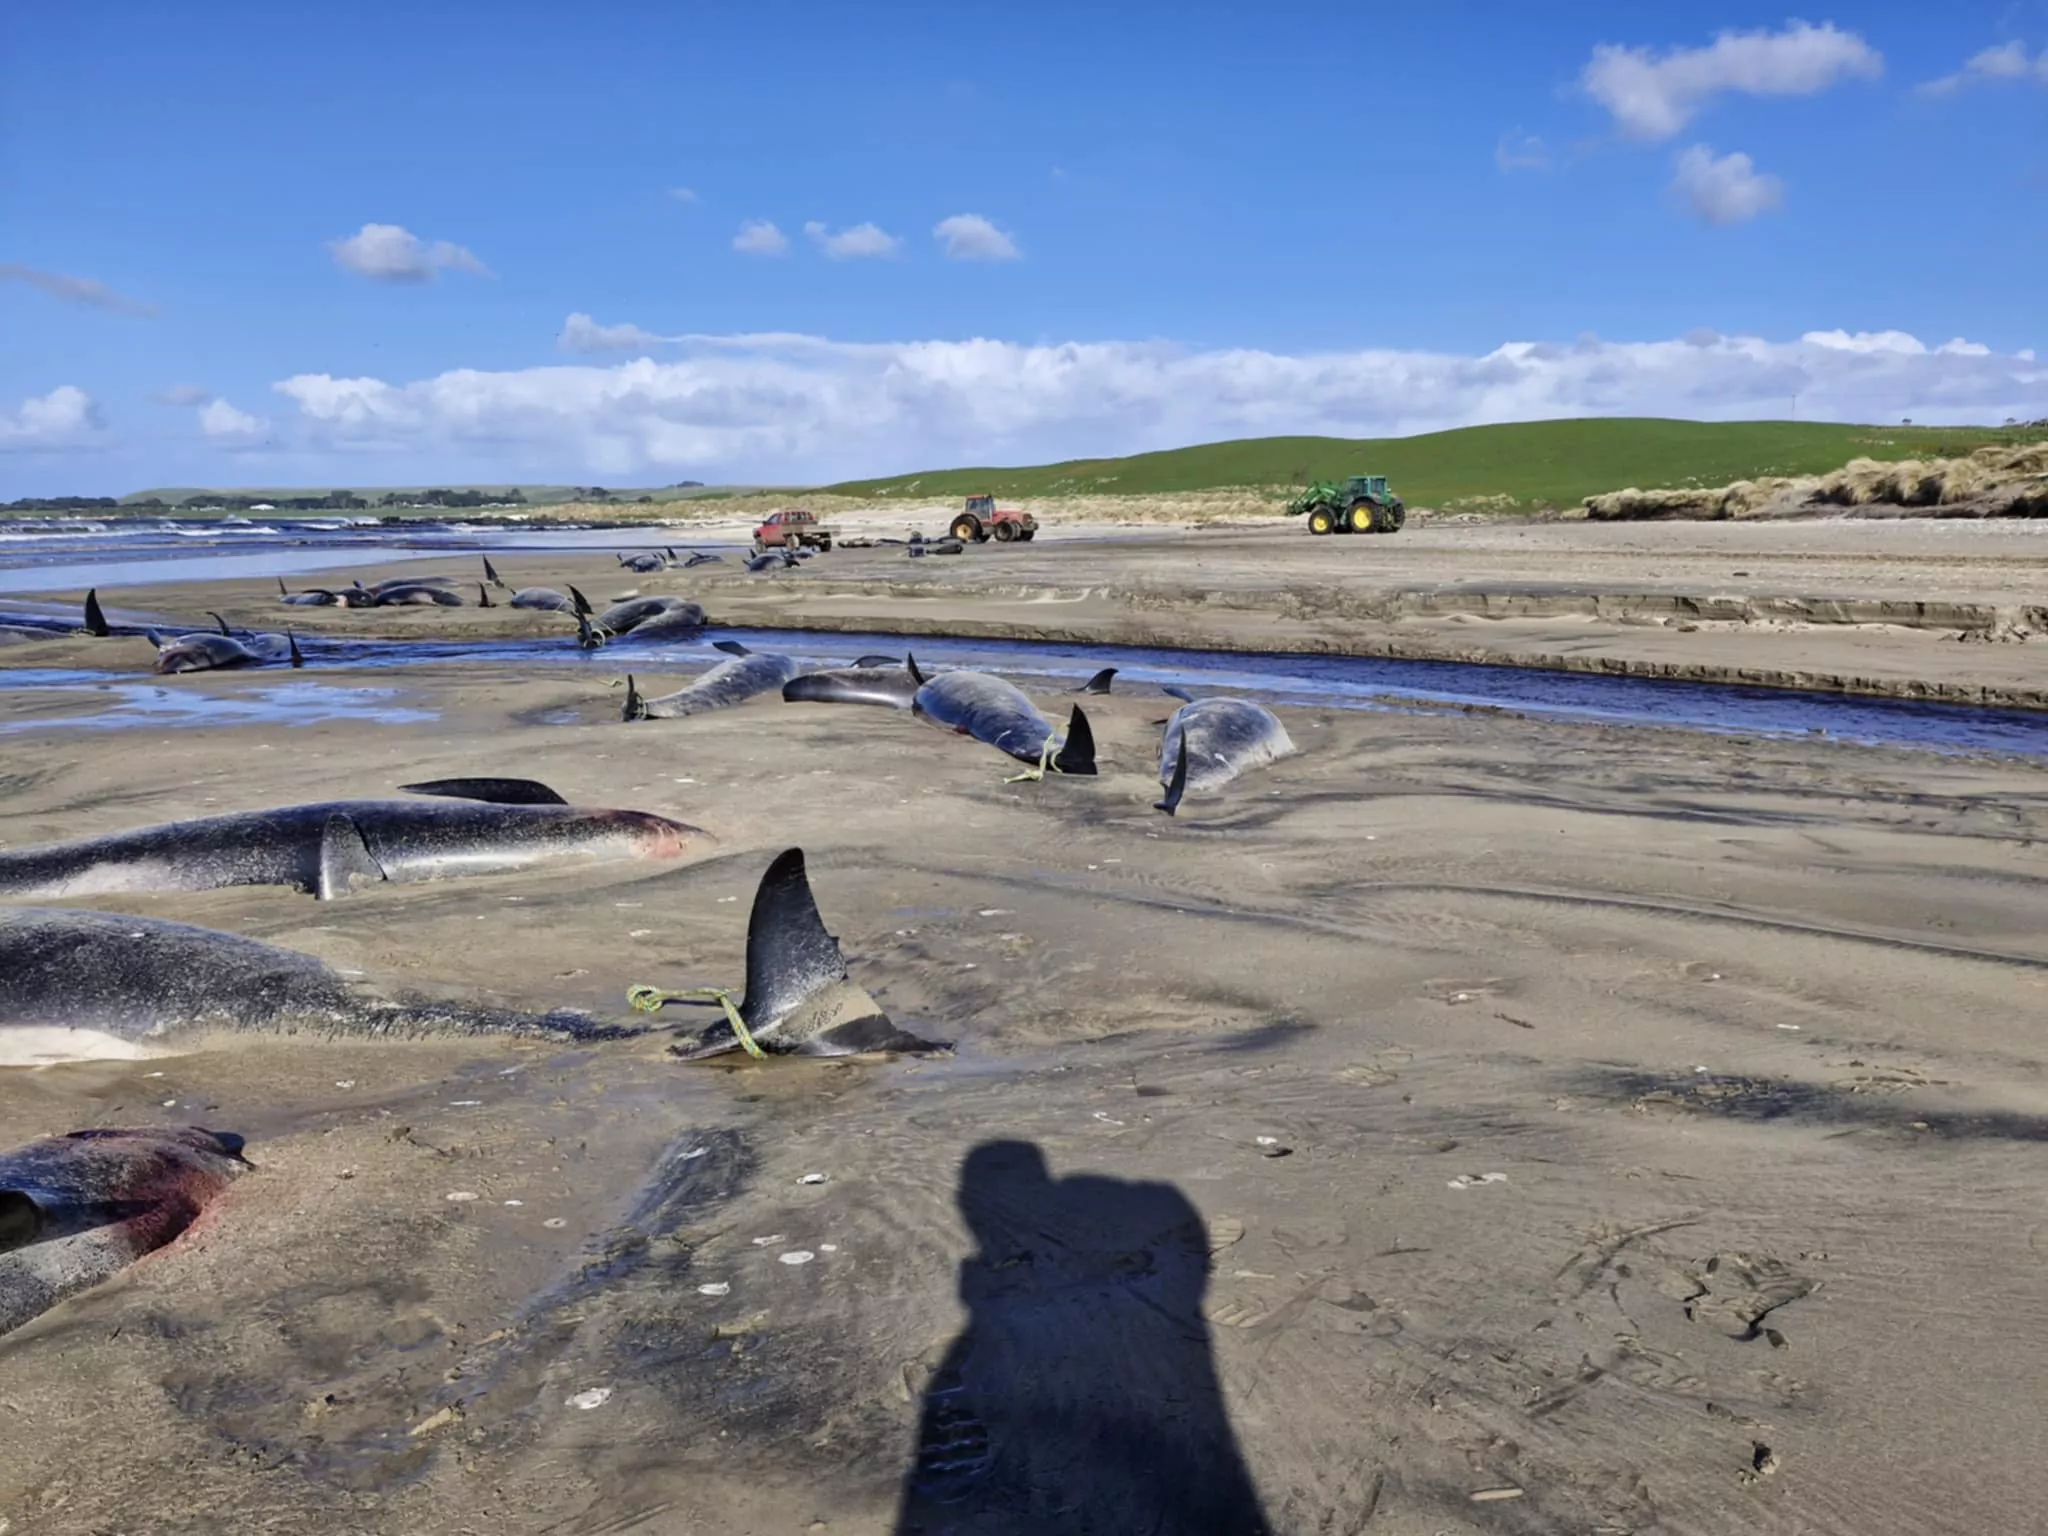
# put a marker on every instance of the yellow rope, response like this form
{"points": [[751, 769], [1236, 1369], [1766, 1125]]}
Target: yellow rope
{"points": [[649, 1000]]}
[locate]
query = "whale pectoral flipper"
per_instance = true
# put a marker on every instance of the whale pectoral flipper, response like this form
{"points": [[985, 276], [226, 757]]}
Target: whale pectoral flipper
{"points": [[1180, 780], [1179, 693], [731, 648], [344, 858], [496, 791]]}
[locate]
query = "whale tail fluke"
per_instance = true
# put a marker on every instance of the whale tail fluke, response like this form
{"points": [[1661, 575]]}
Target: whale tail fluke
{"points": [[635, 706], [582, 603]]}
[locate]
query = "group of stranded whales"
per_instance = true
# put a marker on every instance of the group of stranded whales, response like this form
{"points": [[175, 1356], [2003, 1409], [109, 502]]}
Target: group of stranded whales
{"points": [[78, 985], [83, 985]]}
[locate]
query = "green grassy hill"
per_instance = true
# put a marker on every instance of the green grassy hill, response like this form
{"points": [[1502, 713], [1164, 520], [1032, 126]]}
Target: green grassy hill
{"points": [[1540, 463]]}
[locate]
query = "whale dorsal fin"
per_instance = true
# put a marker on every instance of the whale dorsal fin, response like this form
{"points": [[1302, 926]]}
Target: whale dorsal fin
{"points": [[298, 656], [344, 859], [1100, 682], [916, 676], [95, 617], [496, 791], [1077, 752], [789, 953]]}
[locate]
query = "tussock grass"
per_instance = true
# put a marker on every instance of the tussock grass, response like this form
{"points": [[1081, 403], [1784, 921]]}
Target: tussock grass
{"points": [[2010, 480]]}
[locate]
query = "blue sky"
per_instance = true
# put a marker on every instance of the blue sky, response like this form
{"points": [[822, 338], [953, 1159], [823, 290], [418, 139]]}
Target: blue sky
{"points": [[337, 244]]}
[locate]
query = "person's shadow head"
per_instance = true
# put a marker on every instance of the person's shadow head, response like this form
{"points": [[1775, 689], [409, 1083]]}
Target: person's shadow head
{"points": [[1082, 1396]]}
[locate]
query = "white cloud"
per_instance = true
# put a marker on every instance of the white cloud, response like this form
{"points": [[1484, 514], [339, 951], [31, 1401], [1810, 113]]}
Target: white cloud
{"points": [[683, 194], [785, 408], [859, 241], [1520, 150], [183, 394], [2008, 61], [1654, 97], [231, 428], [580, 333], [1725, 189], [970, 237], [75, 290], [757, 237], [390, 253], [67, 417]]}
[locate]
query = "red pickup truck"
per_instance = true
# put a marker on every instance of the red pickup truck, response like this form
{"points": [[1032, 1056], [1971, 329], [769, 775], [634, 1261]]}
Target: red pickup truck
{"points": [[792, 526]]}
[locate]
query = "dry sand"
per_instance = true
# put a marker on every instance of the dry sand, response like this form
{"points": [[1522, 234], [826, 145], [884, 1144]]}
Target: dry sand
{"points": [[1582, 1044]]}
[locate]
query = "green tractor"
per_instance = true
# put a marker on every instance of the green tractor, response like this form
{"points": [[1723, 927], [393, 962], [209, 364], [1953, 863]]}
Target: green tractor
{"points": [[1362, 504]]}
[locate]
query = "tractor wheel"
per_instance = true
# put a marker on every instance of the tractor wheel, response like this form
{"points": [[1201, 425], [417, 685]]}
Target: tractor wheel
{"points": [[1005, 532], [966, 529], [1320, 521], [1027, 535], [1364, 518], [1390, 518]]}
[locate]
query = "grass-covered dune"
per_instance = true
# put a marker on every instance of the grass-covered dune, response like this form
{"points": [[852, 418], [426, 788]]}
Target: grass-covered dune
{"points": [[1523, 464]]}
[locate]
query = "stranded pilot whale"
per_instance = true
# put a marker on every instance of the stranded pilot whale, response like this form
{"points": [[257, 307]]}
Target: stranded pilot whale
{"points": [[730, 682], [76, 1209], [80, 985], [1209, 742], [997, 712], [799, 998], [497, 824]]}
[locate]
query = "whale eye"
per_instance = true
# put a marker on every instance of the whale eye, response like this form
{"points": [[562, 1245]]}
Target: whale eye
{"points": [[21, 1220]]}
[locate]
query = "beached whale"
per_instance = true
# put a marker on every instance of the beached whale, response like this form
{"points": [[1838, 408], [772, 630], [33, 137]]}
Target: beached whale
{"points": [[651, 618], [80, 985], [219, 651], [799, 998], [76, 1209], [730, 682], [467, 826], [1209, 742], [864, 682], [994, 711], [548, 600]]}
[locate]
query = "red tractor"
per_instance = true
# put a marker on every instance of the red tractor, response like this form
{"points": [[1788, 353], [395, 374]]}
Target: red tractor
{"points": [[983, 521]]}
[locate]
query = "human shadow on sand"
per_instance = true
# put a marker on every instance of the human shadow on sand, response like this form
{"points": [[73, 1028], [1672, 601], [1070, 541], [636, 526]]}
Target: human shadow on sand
{"points": [[1082, 1396]]}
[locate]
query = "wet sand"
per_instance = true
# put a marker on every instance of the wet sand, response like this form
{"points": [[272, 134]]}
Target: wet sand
{"points": [[1595, 1129], [1952, 611]]}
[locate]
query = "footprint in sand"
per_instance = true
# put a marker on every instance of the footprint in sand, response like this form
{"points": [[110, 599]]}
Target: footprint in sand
{"points": [[1737, 1291]]}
